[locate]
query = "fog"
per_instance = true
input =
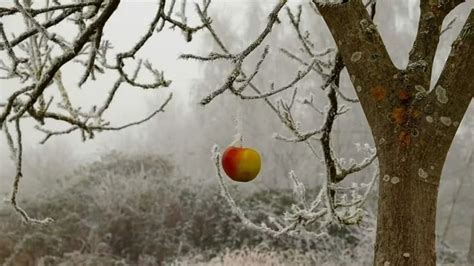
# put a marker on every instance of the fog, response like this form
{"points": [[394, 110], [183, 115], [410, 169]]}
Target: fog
{"points": [[185, 133]]}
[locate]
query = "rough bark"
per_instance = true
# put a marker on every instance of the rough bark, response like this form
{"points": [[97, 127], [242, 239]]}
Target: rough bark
{"points": [[412, 127], [408, 195]]}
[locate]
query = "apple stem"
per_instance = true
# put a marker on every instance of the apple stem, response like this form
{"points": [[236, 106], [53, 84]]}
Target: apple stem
{"points": [[239, 123], [238, 139]]}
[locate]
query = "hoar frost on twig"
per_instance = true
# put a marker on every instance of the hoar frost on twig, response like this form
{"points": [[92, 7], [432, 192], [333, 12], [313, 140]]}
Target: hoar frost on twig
{"points": [[36, 56], [303, 213], [333, 203]]}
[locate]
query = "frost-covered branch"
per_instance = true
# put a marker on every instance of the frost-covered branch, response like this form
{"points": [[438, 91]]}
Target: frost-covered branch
{"points": [[349, 209], [238, 58], [7, 11], [36, 56], [333, 202], [18, 176]]}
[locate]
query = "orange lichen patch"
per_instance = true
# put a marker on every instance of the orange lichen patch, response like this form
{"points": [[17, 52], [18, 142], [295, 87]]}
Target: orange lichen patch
{"points": [[404, 95], [399, 115], [404, 138], [415, 113], [379, 93]]}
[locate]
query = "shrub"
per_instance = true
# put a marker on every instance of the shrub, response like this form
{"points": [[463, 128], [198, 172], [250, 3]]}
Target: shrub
{"points": [[140, 210]]}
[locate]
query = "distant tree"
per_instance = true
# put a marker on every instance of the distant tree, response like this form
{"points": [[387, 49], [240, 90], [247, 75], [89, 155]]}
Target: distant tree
{"points": [[413, 126], [35, 55]]}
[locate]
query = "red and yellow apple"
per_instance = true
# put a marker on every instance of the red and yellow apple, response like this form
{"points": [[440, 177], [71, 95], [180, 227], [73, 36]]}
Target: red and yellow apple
{"points": [[241, 164]]}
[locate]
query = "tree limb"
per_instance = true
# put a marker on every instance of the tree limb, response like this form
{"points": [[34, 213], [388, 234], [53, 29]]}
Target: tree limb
{"points": [[424, 49], [68, 55], [363, 53], [455, 89]]}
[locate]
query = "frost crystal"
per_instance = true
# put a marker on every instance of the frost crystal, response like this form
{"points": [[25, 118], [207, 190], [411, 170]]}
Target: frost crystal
{"points": [[445, 120], [386, 178], [455, 123], [422, 173], [342, 161], [356, 56], [359, 88], [406, 255], [441, 94], [395, 180], [429, 119], [386, 263]]}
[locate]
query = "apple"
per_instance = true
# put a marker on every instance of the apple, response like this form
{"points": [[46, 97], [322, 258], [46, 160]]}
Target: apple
{"points": [[241, 164]]}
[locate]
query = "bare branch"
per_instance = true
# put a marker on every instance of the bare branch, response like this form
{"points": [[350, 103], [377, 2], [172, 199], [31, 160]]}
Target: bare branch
{"points": [[240, 57], [34, 31], [432, 15], [35, 12], [43, 71], [18, 177], [363, 53], [67, 56], [326, 208], [40, 28], [454, 90]]}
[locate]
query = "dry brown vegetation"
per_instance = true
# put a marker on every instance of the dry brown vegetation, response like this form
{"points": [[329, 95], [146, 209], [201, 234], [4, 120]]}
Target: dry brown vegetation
{"points": [[139, 210]]}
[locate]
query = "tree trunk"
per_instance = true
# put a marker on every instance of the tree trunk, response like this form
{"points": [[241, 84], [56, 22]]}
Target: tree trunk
{"points": [[407, 216], [410, 170], [413, 127]]}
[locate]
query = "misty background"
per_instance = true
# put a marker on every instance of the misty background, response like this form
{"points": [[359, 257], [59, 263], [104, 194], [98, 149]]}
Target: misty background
{"points": [[185, 133]]}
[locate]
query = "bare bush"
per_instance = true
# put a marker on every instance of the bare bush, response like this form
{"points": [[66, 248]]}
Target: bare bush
{"points": [[139, 208]]}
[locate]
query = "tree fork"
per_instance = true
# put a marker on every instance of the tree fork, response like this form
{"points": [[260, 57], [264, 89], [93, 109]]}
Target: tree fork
{"points": [[413, 128]]}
